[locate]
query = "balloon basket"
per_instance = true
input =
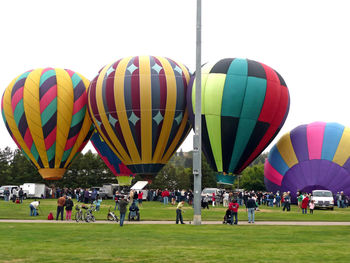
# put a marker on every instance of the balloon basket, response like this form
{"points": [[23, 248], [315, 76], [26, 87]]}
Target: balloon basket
{"points": [[52, 173], [228, 179], [124, 180]]}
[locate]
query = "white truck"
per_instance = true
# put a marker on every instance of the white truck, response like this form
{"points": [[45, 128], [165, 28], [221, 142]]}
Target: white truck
{"points": [[323, 199], [32, 190]]}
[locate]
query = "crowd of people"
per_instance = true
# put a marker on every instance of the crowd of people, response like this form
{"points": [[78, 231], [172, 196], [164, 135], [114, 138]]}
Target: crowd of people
{"points": [[232, 200]]}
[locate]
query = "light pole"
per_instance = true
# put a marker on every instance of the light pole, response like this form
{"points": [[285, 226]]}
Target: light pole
{"points": [[197, 138]]}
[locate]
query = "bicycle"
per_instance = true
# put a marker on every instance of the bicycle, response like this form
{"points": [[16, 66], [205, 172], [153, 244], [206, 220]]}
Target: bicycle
{"points": [[79, 215], [111, 216], [89, 217]]}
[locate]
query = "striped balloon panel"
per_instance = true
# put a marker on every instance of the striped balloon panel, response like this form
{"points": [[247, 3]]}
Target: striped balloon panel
{"points": [[83, 144], [138, 105], [109, 157], [46, 114], [244, 105], [316, 141]]}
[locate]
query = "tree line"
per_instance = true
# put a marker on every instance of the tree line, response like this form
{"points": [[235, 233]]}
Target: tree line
{"points": [[89, 170]]}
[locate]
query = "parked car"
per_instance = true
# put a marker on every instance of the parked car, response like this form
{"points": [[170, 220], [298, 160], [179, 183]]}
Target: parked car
{"points": [[323, 199]]}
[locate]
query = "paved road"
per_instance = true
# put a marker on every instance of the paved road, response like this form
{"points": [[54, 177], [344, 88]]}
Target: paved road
{"points": [[270, 223]]}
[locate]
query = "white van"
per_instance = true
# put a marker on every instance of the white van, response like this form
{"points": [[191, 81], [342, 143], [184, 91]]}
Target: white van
{"points": [[323, 199]]}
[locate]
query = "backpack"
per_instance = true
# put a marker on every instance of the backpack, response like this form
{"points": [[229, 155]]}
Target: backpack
{"points": [[50, 216]]}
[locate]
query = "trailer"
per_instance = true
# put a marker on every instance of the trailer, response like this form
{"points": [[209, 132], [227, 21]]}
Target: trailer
{"points": [[109, 188], [33, 190]]}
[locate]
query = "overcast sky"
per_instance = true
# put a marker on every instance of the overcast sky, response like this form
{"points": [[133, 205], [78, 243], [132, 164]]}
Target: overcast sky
{"points": [[306, 41]]}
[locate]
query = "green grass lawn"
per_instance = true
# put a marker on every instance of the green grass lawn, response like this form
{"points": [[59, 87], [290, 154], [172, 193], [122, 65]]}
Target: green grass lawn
{"points": [[157, 211], [25, 242]]}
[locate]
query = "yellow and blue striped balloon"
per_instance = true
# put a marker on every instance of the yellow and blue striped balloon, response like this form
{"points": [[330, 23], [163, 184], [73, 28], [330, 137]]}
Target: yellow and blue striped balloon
{"points": [[45, 112]]}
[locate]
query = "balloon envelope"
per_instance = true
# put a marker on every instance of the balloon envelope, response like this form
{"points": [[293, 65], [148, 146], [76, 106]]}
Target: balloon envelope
{"points": [[45, 112], [244, 105], [310, 157], [123, 174], [138, 105]]}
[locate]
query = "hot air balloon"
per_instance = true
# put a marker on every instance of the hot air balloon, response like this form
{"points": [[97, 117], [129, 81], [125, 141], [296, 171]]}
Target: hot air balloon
{"points": [[138, 105], [123, 174], [45, 112], [244, 105], [310, 157]]}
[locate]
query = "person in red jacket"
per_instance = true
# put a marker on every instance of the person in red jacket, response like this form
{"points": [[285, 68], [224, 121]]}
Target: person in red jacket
{"points": [[140, 196], [233, 207], [165, 196], [305, 204]]}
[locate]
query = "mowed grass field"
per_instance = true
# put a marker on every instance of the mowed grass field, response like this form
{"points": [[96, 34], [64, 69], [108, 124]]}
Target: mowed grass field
{"points": [[157, 211], [25, 242], [31, 242]]}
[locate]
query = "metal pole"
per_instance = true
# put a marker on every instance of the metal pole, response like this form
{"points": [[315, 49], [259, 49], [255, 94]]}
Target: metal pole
{"points": [[197, 138]]}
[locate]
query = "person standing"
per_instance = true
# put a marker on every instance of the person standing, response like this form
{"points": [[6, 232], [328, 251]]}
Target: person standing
{"points": [[233, 207], [116, 200], [60, 206], [34, 208], [213, 198], [305, 204], [86, 196], [6, 194], [69, 206], [14, 194], [179, 212], [342, 199], [123, 203], [225, 199], [287, 202], [140, 196], [278, 199], [251, 205], [300, 200], [312, 206], [190, 197], [165, 195], [20, 195]]}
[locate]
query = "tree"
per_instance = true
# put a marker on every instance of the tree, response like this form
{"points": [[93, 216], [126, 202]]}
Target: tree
{"points": [[253, 178], [6, 156]]}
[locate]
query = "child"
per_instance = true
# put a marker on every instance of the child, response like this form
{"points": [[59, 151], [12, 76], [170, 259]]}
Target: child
{"points": [[116, 202], [312, 206], [98, 203]]}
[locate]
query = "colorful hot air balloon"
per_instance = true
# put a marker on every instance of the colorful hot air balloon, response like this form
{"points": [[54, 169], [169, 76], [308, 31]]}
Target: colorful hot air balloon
{"points": [[244, 105], [138, 105], [310, 157], [45, 112], [123, 174]]}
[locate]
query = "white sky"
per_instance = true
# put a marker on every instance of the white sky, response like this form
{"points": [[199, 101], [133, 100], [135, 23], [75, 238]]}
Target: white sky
{"points": [[306, 41]]}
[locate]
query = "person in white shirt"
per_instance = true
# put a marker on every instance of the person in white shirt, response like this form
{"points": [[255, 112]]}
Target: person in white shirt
{"points": [[34, 208], [225, 199]]}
